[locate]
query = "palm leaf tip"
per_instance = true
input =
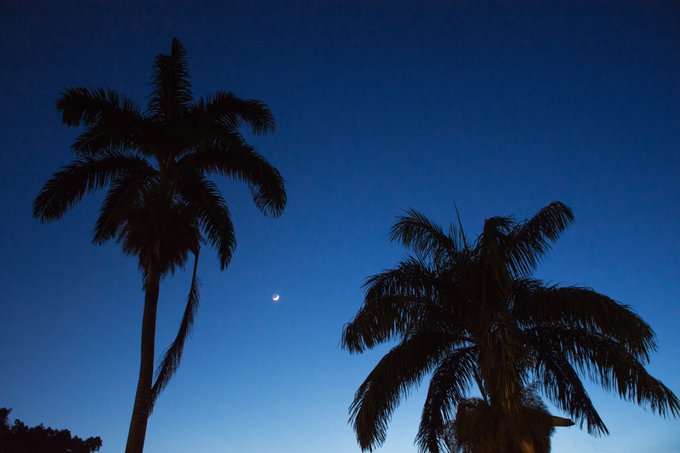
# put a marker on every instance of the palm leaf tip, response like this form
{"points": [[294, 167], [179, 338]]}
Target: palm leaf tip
{"points": [[267, 187], [176, 47], [232, 111], [70, 184], [260, 117], [351, 340]]}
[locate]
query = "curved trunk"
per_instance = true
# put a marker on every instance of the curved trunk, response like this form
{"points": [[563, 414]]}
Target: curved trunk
{"points": [[140, 413]]}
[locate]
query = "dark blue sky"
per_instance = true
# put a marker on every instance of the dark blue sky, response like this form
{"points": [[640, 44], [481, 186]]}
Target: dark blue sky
{"points": [[380, 106]]}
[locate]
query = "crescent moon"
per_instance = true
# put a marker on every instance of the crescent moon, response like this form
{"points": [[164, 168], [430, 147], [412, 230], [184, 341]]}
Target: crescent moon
{"points": [[275, 297]]}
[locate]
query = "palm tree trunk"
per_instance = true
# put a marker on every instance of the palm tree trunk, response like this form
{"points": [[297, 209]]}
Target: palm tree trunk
{"points": [[140, 413]]}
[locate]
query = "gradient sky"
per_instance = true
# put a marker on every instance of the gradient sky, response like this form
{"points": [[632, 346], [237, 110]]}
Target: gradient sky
{"points": [[380, 106]]}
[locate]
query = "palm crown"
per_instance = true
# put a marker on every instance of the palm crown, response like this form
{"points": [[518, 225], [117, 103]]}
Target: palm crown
{"points": [[156, 165], [472, 315], [161, 205]]}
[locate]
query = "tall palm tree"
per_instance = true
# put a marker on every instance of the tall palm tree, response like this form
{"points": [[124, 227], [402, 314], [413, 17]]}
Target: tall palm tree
{"points": [[161, 205], [471, 314]]}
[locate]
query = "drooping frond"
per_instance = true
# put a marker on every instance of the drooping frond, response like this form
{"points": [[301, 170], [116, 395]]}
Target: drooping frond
{"points": [[232, 112], [212, 213], [125, 194], [562, 385], [612, 366], [426, 238], [171, 96], [397, 372], [449, 384], [208, 133], [537, 305], [530, 240], [86, 174], [94, 107], [173, 355], [412, 277], [395, 302], [241, 162], [377, 324]]}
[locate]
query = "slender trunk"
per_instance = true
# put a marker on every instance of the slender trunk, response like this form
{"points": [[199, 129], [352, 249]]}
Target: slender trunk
{"points": [[140, 413]]}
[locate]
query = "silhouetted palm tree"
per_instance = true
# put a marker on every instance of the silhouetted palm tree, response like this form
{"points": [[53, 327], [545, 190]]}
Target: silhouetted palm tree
{"points": [[160, 204], [471, 314]]}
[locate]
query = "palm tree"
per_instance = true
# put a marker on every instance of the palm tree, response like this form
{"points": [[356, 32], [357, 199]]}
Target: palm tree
{"points": [[161, 205], [471, 315]]}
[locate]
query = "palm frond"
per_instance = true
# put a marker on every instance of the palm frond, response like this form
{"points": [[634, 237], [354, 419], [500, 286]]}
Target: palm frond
{"points": [[378, 323], [395, 302], [242, 162], [91, 107], [530, 240], [173, 355], [459, 231], [561, 384], [113, 135], [231, 111], [212, 212], [416, 231], [171, 96], [397, 372], [125, 194], [412, 277], [86, 174], [611, 365], [449, 384], [205, 130], [535, 304]]}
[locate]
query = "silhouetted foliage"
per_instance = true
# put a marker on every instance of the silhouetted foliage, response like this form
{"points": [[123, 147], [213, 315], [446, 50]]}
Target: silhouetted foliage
{"points": [[161, 205], [470, 314], [19, 438], [478, 427]]}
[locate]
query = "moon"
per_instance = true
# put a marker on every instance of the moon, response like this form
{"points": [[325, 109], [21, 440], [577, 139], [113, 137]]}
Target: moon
{"points": [[276, 297]]}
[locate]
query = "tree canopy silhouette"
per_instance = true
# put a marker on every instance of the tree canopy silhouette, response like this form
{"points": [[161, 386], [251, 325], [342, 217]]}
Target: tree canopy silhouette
{"points": [[161, 205], [471, 314], [19, 438]]}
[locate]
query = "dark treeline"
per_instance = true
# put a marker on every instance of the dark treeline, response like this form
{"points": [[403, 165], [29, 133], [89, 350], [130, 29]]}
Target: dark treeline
{"points": [[19, 438]]}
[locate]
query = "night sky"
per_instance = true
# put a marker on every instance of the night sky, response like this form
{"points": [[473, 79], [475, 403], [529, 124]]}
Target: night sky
{"points": [[381, 106]]}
